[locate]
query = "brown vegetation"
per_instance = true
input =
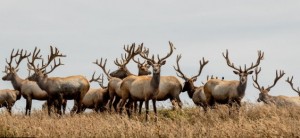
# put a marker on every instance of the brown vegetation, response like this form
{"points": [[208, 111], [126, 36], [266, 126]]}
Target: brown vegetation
{"points": [[252, 121]]}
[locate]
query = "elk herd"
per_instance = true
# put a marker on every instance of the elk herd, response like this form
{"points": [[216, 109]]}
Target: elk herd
{"points": [[125, 89]]}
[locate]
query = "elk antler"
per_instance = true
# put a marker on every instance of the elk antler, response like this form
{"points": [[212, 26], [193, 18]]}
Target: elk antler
{"points": [[256, 84], [102, 65], [281, 74], [51, 57], [12, 56], [168, 55], [21, 57], [260, 57], [35, 56], [178, 70], [131, 51], [202, 64], [290, 81]]}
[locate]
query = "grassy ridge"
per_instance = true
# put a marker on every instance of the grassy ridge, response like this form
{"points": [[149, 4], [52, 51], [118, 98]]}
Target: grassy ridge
{"points": [[251, 121]]}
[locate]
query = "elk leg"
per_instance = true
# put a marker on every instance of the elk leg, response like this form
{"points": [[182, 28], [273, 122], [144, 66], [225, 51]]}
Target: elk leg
{"points": [[115, 104], [29, 103], [79, 101], [26, 108], [147, 109], [9, 106], [179, 102], [135, 106], [128, 109], [60, 98], [140, 107], [64, 105], [49, 103], [154, 108]]}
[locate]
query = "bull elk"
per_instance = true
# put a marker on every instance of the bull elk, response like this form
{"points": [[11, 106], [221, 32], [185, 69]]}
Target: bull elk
{"points": [[264, 92], [228, 92], [194, 92], [72, 87], [143, 88]]}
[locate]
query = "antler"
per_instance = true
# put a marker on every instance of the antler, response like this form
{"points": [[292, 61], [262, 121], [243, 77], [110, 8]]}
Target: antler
{"points": [[12, 56], [51, 57], [202, 64], [168, 55], [102, 65], [131, 51], [35, 56], [256, 84], [22, 56], [281, 73], [178, 70], [138, 61], [260, 57], [229, 63], [290, 81]]}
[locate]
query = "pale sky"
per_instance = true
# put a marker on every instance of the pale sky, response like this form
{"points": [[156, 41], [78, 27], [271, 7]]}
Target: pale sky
{"points": [[88, 30]]}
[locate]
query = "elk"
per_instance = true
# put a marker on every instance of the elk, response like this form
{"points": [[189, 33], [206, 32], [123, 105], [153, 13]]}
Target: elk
{"points": [[228, 92], [96, 99], [8, 98], [143, 88], [194, 92], [115, 78], [290, 81], [29, 89], [58, 88], [264, 92]]}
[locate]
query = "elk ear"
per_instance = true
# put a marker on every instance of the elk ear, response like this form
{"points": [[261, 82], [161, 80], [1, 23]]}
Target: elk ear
{"points": [[163, 62], [149, 62], [250, 72], [236, 72], [194, 79]]}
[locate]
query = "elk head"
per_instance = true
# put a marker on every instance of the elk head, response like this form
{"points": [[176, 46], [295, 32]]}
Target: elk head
{"points": [[11, 71], [189, 82], [143, 67], [40, 72], [243, 74], [123, 72], [290, 81], [156, 66], [264, 93]]}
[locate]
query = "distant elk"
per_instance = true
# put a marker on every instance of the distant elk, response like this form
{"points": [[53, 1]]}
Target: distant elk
{"points": [[115, 78], [143, 88], [264, 92], [228, 92], [58, 88], [194, 92], [29, 89]]}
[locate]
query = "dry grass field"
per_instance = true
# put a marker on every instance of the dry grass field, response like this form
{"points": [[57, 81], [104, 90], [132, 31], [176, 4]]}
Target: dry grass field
{"points": [[250, 121]]}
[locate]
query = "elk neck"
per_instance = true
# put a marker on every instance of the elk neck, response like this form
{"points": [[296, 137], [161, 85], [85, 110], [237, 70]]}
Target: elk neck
{"points": [[17, 82], [241, 89], [42, 82], [155, 81], [190, 88]]}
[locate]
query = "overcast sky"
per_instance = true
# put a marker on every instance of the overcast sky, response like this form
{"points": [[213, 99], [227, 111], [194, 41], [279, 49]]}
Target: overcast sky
{"points": [[88, 30]]}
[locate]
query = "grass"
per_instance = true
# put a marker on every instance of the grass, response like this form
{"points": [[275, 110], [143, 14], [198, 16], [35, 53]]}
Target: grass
{"points": [[250, 121]]}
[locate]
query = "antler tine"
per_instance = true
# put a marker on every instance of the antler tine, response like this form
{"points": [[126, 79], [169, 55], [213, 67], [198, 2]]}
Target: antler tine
{"points": [[12, 56], [35, 56], [22, 56], [281, 74], [52, 56], [6, 70], [202, 64], [103, 66], [138, 61], [256, 84], [290, 81], [178, 70], [169, 54], [260, 57], [228, 61]]}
